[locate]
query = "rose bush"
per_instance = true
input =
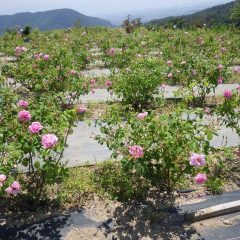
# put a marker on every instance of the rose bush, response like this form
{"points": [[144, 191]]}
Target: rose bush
{"points": [[162, 149]]}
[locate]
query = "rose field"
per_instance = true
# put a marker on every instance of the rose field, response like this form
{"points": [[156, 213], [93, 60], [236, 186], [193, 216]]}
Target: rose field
{"points": [[101, 118]]}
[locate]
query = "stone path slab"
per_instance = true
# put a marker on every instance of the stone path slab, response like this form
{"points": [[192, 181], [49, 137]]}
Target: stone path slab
{"points": [[83, 149], [102, 95]]}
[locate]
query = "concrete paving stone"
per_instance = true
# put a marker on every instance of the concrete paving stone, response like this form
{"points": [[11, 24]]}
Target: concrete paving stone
{"points": [[94, 73], [82, 148], [7, 59], [100, 95]]}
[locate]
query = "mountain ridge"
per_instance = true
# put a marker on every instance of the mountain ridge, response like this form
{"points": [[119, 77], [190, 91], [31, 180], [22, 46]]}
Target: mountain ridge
{"points": [[216, 15], [51, 19]]}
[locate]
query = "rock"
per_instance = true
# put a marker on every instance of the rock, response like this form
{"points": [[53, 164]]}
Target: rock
{"points": [[227, 222]]}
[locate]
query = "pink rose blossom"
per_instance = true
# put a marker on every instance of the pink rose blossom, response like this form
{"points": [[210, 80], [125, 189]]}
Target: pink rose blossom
{"points": [[35, 127], [2, 179], [236, 69], [23, 49], [24, 116], [49, 140], [201, 178], [14, 189], [136, 151], [197, 160], [163, 86], [227, 94], [108, 83], [220, 67], [18, 50], [223, 50], [169, 63], [112, 52], [73, 72], [220, 80], [46, 57], [142, 115], [170, 75], [22, 103], [81, 109], [93, 81]]}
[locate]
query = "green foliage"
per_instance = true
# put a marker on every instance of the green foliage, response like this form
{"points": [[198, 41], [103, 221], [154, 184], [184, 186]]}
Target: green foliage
{"points": [[111, 179], [138, 85], [27, 30], [215, 16], [235, 14], [167, 142]]}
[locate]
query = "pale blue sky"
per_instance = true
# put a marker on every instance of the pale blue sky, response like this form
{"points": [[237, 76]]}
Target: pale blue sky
{"points": [[98, 7]]}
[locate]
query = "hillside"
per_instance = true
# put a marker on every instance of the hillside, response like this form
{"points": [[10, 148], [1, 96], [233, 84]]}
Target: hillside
{"points": [[213, 16], [53, 19]]}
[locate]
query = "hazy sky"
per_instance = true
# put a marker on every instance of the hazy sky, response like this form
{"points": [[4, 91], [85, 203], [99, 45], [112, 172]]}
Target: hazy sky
{"points": [[98, 7]]}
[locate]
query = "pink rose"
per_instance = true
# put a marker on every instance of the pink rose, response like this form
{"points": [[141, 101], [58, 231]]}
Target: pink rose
{"points": [[93, 81], [197, 160], [223, 50], [163, 86], [73, 72], [108, 83], [81, 109], [220, 67], [170, 75], [18, 50], [2, 179], [49, 140], [24, 116], [227, 94], [169, 63], [136, 151], [201, 178], [22, 103], [142, 115], [23, 49], [46, 57], [220, 80], [236, 69], [35, 127], [14, 189], [112, 52]]}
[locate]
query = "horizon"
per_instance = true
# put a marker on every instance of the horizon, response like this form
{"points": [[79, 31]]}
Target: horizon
{"points": [[110, 10]]}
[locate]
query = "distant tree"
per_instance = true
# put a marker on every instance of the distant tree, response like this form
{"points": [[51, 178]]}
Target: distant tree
{"points": [[235, 14], [26, 31], [130, 24]]}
